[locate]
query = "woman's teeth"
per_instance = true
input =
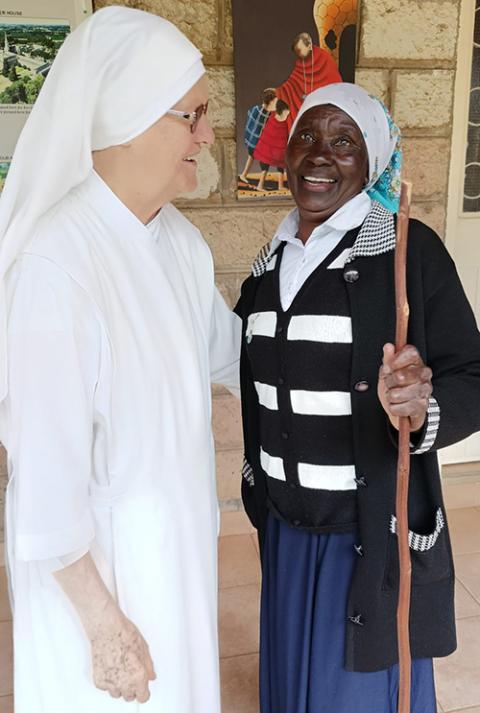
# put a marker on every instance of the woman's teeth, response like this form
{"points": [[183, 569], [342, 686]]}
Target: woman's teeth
{"points": [[313, 179], [190, 159]]}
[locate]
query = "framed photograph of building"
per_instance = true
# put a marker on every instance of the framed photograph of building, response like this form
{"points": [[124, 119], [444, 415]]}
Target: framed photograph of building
{"points": [[283, 51], [31, 33]]}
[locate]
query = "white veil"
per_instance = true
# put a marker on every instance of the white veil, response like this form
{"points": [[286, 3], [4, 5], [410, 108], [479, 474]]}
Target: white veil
{"points": [[114, 76]]}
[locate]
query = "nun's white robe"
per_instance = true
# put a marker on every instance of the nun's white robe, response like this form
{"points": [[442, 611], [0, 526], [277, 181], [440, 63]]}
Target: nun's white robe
{"points": [[115, 333]]}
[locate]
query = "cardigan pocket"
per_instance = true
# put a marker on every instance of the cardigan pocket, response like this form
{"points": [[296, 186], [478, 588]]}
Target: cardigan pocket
{"points": [[430, 554]]}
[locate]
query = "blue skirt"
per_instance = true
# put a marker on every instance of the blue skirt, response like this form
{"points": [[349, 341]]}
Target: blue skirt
{"points": [[305, 585]]}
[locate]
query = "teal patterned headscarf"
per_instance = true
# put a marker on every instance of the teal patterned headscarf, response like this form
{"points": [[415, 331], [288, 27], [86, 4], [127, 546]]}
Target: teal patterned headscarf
{"points": [[381, 134]]}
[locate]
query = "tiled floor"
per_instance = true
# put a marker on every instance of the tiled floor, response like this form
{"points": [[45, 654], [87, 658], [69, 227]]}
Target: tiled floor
{"points": [[457, 677]]}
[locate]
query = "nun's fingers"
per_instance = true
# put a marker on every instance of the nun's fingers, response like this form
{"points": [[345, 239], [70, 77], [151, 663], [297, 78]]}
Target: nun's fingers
{"points": [[129, 696], [139, 664], [149, 665], [142, 692], [103, 684], [100, 684]]}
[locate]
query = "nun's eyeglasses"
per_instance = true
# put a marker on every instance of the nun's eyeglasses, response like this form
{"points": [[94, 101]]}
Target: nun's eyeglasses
{"points": [[192, 116]]}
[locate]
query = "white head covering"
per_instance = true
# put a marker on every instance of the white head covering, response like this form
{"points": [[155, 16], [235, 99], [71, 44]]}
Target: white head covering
{"points": [[381, 135], [114, 77]]}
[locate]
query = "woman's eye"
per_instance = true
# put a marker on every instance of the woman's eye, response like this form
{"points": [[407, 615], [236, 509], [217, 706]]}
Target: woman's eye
{"points": [[307, 137], [343, 141]]}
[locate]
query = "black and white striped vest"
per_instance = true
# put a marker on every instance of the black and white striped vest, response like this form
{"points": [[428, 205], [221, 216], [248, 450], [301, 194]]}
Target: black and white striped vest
{"points": [[301, 363]]}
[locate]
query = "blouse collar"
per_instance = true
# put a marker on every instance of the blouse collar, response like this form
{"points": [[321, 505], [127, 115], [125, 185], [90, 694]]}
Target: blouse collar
{"points": [[350, 215]]}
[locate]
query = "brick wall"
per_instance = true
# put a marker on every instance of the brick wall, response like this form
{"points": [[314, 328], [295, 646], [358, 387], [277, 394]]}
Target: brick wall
{"points": [[407, 57]]}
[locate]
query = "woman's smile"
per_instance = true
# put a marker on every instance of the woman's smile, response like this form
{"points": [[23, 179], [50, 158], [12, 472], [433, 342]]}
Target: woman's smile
{"points": [[318, 183]]}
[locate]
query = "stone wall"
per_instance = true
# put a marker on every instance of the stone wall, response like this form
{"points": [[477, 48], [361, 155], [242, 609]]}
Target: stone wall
{"points": [[407, 57]]}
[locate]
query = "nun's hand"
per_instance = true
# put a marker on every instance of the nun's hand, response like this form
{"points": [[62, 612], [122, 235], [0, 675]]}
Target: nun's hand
{"points": [[121, 661], [404, 385]]}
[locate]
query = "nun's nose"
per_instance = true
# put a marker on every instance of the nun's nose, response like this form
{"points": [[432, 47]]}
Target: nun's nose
{"points": [[204, 134]]}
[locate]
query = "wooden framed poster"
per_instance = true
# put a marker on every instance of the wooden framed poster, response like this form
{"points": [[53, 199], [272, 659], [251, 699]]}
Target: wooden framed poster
{"points": [[31, 33], [283, 51]]}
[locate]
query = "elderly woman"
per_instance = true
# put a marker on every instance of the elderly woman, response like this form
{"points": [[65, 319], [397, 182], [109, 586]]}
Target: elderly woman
{"points": [[323, 390], [115, 332]]}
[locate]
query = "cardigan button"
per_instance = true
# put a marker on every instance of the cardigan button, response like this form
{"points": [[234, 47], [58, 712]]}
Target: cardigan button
{"points": [[357, 619], [351, 275], [359, 550], [285, 435], [279, 329], [362, 386], [292, 486], [361, 481], [281, 380], [297, 523]]}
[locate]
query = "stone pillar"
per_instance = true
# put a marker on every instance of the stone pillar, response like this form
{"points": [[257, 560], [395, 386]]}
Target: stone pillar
{"points": [[407, 56]]}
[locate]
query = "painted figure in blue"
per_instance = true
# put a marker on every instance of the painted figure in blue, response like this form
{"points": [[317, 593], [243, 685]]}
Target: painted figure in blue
{"points": [[256, 119], [322, 392]]}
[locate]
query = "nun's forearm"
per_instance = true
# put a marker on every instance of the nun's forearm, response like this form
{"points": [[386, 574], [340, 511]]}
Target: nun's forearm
{"points": [[86, 590], [121, 662]]}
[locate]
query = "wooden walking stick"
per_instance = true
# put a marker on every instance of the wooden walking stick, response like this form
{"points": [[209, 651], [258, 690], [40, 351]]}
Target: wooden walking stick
{"points": [[403, 466]]}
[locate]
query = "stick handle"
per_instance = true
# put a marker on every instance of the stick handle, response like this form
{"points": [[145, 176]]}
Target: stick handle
{"points": [[403, 466], [401, 299]]}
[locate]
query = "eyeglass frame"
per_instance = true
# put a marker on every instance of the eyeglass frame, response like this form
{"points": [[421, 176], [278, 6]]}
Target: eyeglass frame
{"points": [[192, 116]]}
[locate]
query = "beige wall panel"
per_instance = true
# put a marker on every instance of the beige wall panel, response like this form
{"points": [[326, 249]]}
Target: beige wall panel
{"points": [[229, 284], [423, 100], [229, 469], [228, 36], [229, 168], [209, 176], [3, 485], [433, 214], [222, 98], [235, 235], [413, 30], [197, 19], [227, 422], [375, 81], [426, 163]]}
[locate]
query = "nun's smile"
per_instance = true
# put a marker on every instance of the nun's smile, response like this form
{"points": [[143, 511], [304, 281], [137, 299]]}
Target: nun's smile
{"points": [[191, 161], [327, 161]]}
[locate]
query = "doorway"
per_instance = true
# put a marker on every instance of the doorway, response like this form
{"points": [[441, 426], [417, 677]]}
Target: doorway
{"points": [[463, 210]]}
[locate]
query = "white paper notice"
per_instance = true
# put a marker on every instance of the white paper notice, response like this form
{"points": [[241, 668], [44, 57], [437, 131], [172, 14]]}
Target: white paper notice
{"points": [[31, 33]]}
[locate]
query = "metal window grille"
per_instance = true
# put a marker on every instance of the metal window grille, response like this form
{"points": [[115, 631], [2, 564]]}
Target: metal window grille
{"points": [[471, 186]]}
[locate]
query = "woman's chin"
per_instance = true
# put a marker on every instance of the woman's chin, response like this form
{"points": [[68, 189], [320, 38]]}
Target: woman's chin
{"points": [[320, 203]]}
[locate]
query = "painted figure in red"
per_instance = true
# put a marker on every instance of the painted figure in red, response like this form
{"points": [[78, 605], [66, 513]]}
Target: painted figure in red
{"points": [[314, 68], [272, 144]]}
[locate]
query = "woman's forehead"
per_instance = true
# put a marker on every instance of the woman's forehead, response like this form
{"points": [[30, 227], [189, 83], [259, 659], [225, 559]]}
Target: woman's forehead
{"points": [[317, 113]]}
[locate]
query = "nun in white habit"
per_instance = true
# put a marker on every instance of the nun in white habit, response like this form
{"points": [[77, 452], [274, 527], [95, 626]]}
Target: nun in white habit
{"points": [[112, 332]]}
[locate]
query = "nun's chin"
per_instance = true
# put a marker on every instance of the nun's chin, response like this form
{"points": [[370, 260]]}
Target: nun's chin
{"points": [[192, 184], [189, 185]]}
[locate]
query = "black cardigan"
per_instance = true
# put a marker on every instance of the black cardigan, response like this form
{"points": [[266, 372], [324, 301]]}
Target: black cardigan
{"points": [[443, 329]]}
